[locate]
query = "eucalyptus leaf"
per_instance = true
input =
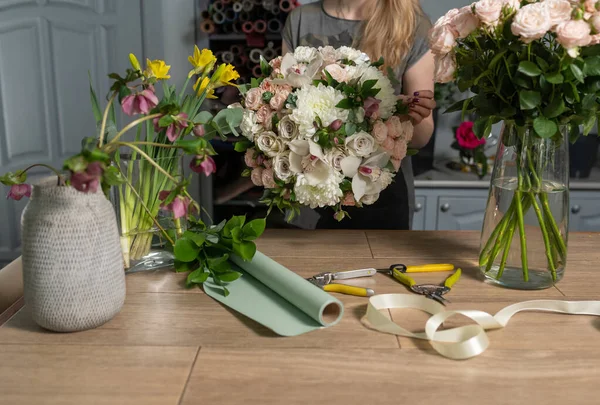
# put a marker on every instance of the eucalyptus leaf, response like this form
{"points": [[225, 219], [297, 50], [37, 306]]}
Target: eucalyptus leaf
{"points": [[203, 117]]}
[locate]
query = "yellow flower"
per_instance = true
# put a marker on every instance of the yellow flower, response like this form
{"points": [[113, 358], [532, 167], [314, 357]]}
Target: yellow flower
{"points": [[134, 63], [201, 84], [224, 75], [201, 61], [158, 69]]}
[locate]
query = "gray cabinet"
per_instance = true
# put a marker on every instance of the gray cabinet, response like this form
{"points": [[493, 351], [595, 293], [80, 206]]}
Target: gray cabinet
{"points": [[585, 211], [419, 214], [461, 213]]}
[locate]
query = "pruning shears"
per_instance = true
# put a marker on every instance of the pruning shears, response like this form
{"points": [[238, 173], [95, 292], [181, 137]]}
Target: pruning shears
{"points": [[325, 281]]}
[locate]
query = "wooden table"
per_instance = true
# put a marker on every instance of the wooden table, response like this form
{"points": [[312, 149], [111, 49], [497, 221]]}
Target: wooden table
{"points": [[171, 345]]}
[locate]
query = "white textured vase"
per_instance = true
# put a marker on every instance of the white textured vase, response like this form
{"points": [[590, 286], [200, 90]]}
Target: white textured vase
{"points": [[72, 265]]}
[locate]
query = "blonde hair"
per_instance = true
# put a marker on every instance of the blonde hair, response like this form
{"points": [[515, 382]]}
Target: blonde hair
{"points": [[390, 30]]}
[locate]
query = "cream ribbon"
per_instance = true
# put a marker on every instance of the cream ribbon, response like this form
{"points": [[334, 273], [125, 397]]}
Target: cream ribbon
{"points": [[467, 341]]}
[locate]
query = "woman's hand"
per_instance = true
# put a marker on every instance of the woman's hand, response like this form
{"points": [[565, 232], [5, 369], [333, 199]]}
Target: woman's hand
{"points": [[420, 105]]}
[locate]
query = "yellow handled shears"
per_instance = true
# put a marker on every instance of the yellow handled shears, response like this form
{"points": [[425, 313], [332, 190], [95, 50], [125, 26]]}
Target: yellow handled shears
{"points": [[325, 281]]}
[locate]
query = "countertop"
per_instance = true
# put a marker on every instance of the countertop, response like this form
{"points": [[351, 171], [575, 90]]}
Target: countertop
{"points": [[170, 345], [442, 177]]}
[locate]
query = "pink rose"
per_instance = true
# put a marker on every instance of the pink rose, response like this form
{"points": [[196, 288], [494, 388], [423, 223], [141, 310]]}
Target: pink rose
{"points": [[371, 106], [445, 19], [250, 158], [388, 144], [380, 132], [442, 39], [466, 138], [532, 22], [394, 126], [348, 199], [595, 21], [337, 72], [512, 4], [559, 10], [266, 85], [268, 163], [278, 100], [256, 176], [465, 22], [445, 68], [18, 191], [590, 5], [400, 147], [264, 116], [254, 98], [396, 163], [489, 11], [595, 39], [267, 178], [572, 34], [276, 63]]}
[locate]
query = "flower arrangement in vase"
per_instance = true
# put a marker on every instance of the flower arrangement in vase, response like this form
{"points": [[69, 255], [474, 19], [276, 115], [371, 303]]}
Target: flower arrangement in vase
{"points": [[166, 127], [324, 129], [535, 66], [471, 150]]}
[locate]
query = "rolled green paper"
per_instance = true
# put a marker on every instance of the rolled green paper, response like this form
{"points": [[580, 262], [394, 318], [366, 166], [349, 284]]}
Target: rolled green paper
{"points": [[278, 298]]}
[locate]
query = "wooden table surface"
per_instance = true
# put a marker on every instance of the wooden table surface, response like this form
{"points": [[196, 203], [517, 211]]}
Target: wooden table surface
{"points": [[170, 345]]}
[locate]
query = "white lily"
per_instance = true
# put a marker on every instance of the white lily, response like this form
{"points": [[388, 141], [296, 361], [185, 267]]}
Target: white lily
{"points": [[298, 74], [364, 174], [306, 157]]}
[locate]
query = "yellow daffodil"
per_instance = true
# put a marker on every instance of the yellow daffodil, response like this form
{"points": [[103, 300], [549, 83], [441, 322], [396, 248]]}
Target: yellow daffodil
{"points": [[224, 75], [157, 69], [201, 84], [134, 63], [202, 61]]}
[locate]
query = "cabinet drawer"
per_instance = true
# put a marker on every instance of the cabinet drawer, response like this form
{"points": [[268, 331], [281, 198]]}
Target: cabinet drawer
{"points": [[419, 214], [461, 213], [584, 214]]}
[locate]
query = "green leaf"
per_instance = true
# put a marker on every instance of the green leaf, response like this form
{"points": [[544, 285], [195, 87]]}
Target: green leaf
{"points": [[229, 276], [197, 276], [165, 121], [226, 292], [245, 250], [95, 105], [482, 127], [253, 229], [350, 128], [346, 104], [242, 146], [458, 106], [529, 99], [555, 108], [182, 267], [589, 102], [267, 96], [112, 176], [198, 238], [368, 84], [392, 77], [234, 222], [573, 133], [588, 124], [577, 72], [544, 127], [592, 66], [186, 250], [554, 78], [529, 68], [12, 178], [236, 235], [265, 68], [496, 59], [203, 117], [193, 146], [378, 63], [218, 263], [411, 152], [227, 119], [76, 164], [246, 172], [542, 63]]}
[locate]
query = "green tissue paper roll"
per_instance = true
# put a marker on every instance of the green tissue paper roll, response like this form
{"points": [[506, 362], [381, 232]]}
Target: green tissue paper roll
{"points": [[278, 298]]}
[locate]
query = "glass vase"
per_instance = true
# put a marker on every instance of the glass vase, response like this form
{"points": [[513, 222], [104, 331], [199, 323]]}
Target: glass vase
{"points": [[525, 230], [145, 228]]}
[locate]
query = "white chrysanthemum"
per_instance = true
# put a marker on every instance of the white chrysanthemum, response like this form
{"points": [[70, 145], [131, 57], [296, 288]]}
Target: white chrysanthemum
{"points": [[325, 194], [315, 102], [386, 93], [385, 179], [305, 54], [249, 126], [356, 56]]}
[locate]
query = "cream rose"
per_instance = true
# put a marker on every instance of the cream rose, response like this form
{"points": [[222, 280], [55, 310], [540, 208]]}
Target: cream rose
{"points": [[513, 4], [465, 22], [269, 144], [442, 39], [256, 176], [489, 11], [250, 158], [595, 21], [254, 98], [267, 178], [288, 129], [264, 116], [281, 166], [573, 34], [559, 10], [445, 68], [337, 72], [334, 157], [360, 144], [532, 22], [369, 199], [278, 100], [380, 132]]}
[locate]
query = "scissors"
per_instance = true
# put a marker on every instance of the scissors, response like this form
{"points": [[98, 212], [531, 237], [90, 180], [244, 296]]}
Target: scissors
{"points": [[326, 282]]}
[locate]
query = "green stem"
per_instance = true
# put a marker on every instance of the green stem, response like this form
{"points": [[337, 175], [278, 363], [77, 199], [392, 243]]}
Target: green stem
{"points": [[150, 160], [105, 118], [507, 243], [521, 223], [484, 256], [133, 124], [184, 88], [548, 247], [47, 167], [160, 145]]}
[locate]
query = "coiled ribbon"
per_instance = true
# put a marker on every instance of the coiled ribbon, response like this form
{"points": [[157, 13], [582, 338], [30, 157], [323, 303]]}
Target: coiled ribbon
{"points": [[462, 342]]}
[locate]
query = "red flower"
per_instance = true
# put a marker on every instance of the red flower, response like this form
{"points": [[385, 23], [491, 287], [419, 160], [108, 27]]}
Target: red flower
{"points": [[466, 138], [88, 180], [18, 191], [204, 165]]}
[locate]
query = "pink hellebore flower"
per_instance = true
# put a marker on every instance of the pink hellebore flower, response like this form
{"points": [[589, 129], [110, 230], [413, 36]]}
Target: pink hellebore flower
{"points": [[204, 165], [199, 130], [179, 206], [174, 128], [18, 191], [139, 103], [88, 180], [371, 106]]}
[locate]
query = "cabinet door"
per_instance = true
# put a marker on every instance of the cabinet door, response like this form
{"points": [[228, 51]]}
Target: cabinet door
{"points": [[585, 213], [461, 213], [419, 215]]}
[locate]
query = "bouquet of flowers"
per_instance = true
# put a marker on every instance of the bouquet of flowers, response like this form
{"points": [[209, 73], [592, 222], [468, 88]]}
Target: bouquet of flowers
{"points": [[324, 129], [536, 66], [471, 149]]}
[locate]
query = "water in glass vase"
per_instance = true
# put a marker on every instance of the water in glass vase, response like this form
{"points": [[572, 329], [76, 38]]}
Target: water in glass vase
{"points": [[545, 224]]}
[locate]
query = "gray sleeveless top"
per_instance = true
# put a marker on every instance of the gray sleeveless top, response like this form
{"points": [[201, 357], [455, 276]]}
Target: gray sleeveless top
{"points": [[310, 25]]}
